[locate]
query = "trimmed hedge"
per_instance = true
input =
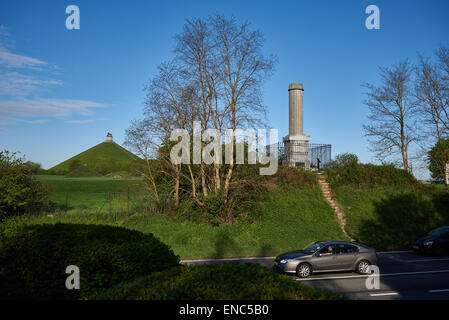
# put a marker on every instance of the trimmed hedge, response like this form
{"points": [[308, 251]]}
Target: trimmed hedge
{"points": [[33, 259], [218, 281]]}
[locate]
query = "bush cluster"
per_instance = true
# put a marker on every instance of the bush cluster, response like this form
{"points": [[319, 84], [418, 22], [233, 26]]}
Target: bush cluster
{"points": [[355, 173], [34, 258], [20, 192], [217, 281]]}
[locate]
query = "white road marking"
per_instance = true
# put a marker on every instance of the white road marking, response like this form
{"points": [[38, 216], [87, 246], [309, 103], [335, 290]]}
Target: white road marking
{"points": [[439, 290], [383, 294], [381, 275]]}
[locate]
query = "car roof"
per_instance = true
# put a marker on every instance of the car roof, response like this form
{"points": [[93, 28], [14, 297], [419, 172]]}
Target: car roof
{"points": [[326, 242]]}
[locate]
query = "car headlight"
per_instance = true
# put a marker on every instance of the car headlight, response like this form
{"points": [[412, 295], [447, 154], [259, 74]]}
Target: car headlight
{"points": [[428, 243], [285, 260]]}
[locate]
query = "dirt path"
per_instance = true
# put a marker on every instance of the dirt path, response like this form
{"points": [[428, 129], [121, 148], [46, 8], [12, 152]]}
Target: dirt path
{"points": [[334, 204]]}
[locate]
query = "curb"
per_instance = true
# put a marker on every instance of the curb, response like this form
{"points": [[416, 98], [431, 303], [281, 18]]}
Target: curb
{"points": [[225, 259], [267, 258]]}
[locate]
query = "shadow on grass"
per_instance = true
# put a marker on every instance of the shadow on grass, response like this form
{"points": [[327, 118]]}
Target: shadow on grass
{"points": [[226, 246], [401, 219]]}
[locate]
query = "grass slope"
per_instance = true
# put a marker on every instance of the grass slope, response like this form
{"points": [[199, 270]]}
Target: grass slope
{"points": [[387, 208], [388, 217], [287, 220], [83, 171], [104, 152]]}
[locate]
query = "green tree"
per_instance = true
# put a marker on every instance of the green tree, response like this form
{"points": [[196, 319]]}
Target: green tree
{"points": [[437, 157], [345, 159], [20, 192]]}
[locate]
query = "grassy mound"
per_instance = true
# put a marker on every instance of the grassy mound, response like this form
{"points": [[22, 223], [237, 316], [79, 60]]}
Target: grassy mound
{"points": [[83, 172], [105, 157], [33, 259], [214, 282]]}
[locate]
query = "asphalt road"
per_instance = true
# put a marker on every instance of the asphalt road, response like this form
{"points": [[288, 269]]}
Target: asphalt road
{"points": [[403, 275]]}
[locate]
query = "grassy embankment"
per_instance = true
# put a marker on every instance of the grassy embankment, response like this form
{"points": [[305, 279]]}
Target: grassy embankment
{"points": [[287, 219], [387, 208]]}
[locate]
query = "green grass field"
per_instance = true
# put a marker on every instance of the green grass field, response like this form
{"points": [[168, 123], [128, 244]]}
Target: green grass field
{"points": [[286, 220], [91, 195]]}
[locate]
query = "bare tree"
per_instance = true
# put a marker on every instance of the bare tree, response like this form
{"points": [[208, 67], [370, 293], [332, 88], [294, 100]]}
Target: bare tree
{"points": [[241, 67], [393, 114], [226, 62], [215, 78], [432, 92]]}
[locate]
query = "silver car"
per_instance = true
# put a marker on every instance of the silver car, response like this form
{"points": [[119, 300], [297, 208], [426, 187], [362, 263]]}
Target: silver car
{"points": [[327, 256]]}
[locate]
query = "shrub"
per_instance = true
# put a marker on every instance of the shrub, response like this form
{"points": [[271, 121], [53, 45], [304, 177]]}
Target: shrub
{"points": [[369, 174], [437, 158], [75, 164], [345, 159], [216, 281], [20, 192], [33, 259]]}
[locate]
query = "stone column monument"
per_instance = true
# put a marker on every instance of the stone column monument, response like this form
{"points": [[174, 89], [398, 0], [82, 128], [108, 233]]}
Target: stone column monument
{"points": [[296, 143]]}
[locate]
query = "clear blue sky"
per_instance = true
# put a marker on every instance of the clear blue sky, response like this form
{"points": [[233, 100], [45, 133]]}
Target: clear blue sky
{"points": [[62, 90]]}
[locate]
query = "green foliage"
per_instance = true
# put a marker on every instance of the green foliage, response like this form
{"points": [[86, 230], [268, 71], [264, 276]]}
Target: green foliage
{"points": [[437, 157], [20, 192], [75, 164], [292, 178], [221, 281], [281, 220], [392, 217], [369, 174], [34, 168], [83, 171], [345, 159], [33, 259]]}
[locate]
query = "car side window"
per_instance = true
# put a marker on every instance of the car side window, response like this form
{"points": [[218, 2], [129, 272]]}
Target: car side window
{"points": [[351, 249], [340, 248], [327, 250]]}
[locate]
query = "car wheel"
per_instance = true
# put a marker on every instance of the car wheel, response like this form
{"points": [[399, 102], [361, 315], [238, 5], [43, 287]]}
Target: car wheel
{"points": [[304, 270], [363, 267]]}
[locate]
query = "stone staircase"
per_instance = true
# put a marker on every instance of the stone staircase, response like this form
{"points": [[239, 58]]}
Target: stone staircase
{"points": [[325, 187]]}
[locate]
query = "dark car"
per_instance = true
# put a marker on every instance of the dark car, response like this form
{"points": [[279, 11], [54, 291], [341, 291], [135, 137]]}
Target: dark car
{"points": [[436, 242], [327, 256]]}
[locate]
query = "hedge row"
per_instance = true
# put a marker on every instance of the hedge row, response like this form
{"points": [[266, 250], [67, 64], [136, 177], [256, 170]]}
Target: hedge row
{"points": [[369, 174], [219, 281], [33, 259]]}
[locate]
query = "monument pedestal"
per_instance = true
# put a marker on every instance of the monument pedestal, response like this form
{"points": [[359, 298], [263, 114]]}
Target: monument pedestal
{"points": [[296, 150]]}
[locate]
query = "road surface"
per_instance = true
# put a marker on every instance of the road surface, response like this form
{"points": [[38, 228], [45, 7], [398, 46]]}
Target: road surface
{"points": [[403, 275]]}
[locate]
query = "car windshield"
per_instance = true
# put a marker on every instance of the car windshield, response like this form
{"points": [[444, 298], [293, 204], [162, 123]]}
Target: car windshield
{"points": [[314, 247], [439, 232]]}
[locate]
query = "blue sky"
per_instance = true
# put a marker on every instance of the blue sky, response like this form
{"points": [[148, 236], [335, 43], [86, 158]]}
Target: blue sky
{"points": [[62, 90]]}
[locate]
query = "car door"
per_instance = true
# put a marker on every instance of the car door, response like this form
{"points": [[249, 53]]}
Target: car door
{"points": [[346, 254], [325, 259]]}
